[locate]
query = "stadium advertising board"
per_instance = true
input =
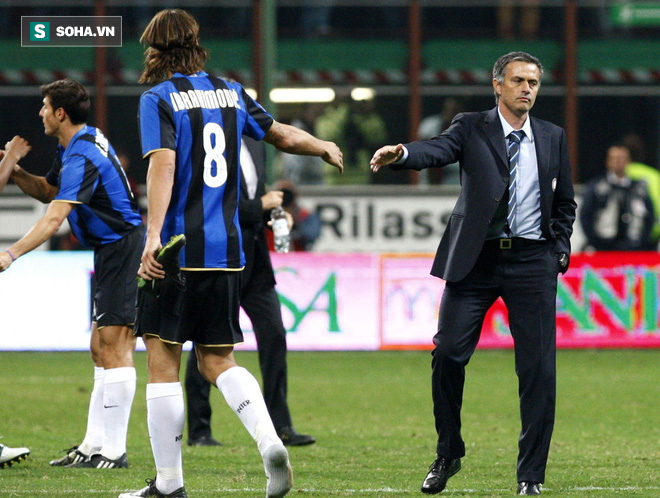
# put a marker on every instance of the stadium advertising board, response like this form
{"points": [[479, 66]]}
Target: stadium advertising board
{"points": [[352, 301], [395, 223], [329, 301], [606, 300]]}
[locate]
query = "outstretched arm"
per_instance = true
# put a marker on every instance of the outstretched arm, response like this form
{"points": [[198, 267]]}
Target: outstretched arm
{"points": [[15, 150], [43, 230], [386, 155], [293, 140]]}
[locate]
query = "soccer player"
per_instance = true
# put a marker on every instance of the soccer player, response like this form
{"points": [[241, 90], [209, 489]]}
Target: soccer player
{"points": [[88, 185], [191, 125]]}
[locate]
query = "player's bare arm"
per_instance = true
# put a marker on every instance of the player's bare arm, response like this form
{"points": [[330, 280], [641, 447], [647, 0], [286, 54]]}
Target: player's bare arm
{"points": [[386, 155], [293, 140], [35, 186], [15, 150], [43, 230], [160, 179]]}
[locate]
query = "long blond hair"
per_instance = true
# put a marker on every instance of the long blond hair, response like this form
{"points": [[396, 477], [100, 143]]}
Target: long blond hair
{"points": [[172, 39]]}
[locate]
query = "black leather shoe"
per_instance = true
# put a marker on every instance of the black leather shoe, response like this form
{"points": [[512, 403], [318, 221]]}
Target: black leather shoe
{"points": [[204, 441], [439, 473], [290, 437], [529, 488]]}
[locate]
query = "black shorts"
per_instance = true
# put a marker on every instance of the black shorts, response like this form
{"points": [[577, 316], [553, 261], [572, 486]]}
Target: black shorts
{"points": [[115, 269], [205, 311]]}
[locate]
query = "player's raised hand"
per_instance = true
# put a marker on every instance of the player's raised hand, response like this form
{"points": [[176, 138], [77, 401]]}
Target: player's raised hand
{"points": [[386, 155], [17, 148]]}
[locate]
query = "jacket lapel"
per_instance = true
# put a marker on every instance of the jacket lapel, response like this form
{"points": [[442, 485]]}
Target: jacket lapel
{"points": [[542, 146], [495, 135]]}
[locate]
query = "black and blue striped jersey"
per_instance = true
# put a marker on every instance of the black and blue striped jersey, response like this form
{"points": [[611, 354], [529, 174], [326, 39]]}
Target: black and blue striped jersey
{"points": [[90, 176], [202, 119]]}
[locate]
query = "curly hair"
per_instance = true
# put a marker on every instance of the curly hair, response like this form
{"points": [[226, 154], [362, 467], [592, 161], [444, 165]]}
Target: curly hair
{"points": [[172, 39]]}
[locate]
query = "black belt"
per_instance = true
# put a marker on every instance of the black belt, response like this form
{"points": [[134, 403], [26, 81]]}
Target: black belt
{"points": [[512, 243]]}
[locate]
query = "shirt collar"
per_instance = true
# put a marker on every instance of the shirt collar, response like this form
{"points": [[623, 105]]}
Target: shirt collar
{"points": [[181, 75], [78, 134], [527, 126]]}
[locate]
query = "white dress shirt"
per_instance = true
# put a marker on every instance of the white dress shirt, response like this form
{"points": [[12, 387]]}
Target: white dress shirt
{"points": [[249, 170], [528, 190]]}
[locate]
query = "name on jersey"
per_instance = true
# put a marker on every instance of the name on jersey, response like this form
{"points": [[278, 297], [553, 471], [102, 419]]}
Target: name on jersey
{"points": [[101, 143], [204, 99]]}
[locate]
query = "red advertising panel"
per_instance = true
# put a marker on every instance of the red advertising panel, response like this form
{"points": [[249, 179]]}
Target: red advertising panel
{"points": [[606, 300]]}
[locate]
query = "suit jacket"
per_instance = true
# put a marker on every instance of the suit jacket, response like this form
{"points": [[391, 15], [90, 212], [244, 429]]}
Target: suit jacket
{"points": [[477, 141], [258, 267]]}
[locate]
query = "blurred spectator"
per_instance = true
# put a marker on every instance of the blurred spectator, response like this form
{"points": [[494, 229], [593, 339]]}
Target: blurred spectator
{"points": [[303, 170], [315, 20], [526, 22], [125, 161], [432, 126], [358, 129], [637, 169], [617, 213], [306, 225]]}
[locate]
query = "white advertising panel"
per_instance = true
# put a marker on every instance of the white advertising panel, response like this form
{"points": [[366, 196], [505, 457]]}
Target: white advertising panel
{"points": [[45, 302], [400, 222], [329, 301], [410, 223]]}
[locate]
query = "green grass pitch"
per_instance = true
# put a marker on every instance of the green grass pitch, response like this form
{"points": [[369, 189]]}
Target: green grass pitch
{"points": [[371, 415]]}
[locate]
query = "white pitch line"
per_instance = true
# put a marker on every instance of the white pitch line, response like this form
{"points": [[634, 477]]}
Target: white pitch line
{"points": [[331, 492]]}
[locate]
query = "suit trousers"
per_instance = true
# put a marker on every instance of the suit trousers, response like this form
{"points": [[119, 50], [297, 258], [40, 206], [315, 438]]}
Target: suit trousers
{"points": [[262, 306], [526, 279]]}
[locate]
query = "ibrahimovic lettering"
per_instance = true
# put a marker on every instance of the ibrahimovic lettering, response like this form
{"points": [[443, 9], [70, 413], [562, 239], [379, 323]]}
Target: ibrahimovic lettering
{"points": [[204, 99]]}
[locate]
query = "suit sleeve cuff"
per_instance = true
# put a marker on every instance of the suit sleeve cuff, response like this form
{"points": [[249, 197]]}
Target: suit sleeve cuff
{"points": [[404, 156]]}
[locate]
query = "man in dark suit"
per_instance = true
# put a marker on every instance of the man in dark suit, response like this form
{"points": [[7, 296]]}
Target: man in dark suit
{"points": [[260, 302], [508, 237]]}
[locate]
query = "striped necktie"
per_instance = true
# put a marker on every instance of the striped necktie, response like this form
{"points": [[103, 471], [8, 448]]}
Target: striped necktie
{"points": [[514, 152]]}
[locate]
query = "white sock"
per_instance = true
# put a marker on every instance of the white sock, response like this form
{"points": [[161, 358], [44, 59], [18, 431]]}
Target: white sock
{"points": [[243, 394], [165, 418], [94, 437], [117, 401]]}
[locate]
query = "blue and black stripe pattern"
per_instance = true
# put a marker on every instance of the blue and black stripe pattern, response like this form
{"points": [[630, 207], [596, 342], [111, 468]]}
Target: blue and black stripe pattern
{"points": [[89, 174], [202, 119]]}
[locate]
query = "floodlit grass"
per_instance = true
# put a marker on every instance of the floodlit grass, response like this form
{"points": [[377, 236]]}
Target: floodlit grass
{"points": [[371, 414]]}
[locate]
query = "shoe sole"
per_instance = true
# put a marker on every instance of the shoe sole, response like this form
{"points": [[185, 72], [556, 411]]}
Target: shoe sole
{"points": [[278, 472], [13, 460]]}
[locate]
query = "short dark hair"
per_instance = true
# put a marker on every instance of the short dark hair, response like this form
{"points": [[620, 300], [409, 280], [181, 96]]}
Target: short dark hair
{"points": [[499, 69], [70, 96]]}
